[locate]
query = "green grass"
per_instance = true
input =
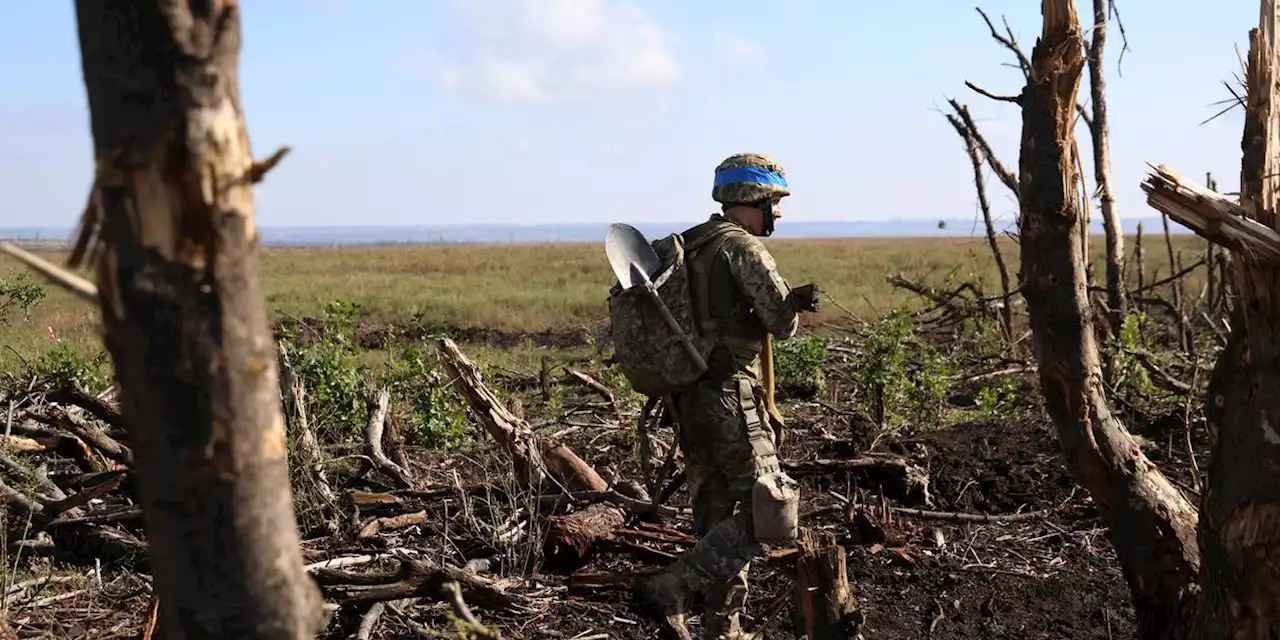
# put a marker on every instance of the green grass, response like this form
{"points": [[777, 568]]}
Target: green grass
{"points": [[554, 286]]}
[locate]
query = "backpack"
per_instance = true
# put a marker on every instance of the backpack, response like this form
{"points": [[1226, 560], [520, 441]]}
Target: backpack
{"points": [[651, 356]]}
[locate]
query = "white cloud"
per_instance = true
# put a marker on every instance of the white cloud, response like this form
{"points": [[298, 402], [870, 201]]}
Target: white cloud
{"points": [[536, 51]]}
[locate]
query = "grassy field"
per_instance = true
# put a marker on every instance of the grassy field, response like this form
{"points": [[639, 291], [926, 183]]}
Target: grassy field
{"points": [[560, 287]]}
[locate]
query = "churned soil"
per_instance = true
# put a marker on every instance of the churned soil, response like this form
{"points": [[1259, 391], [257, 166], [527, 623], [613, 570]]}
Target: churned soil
{"points": [[1050, 575]]}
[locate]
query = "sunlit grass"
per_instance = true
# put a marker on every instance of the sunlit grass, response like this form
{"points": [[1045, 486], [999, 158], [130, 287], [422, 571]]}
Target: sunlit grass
{"points": [[538, 287]]}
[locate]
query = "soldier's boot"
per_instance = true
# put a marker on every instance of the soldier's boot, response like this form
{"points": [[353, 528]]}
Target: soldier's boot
{"points": [[724, 602], [664, 598]]}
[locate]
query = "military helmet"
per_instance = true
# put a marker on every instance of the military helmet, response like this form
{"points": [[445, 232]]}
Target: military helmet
{"points": [[749, 178]]}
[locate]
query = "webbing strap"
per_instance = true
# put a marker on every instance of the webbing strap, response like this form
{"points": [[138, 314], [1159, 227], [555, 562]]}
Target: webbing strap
{"points": [[700, 267]]}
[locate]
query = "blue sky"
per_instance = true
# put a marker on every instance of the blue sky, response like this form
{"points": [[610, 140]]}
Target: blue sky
{"points": [[553, 111]]}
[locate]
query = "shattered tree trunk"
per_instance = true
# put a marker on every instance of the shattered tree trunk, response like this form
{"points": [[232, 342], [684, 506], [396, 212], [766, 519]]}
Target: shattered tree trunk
{"points": [[825, 606], [1240, 520], [1101, 133], [177, 271], [1151, 524]]}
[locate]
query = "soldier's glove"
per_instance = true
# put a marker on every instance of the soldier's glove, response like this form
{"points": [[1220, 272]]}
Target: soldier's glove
{"points": [[805, 298]]}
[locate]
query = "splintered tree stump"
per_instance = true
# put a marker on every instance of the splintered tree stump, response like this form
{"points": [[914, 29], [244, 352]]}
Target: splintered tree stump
{"points": [[825, 607], [572, 539]]}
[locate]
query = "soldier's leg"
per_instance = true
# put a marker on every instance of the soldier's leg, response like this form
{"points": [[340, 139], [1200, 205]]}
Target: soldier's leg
{"points": [[721, 558], [708, 486], [665, 596]]}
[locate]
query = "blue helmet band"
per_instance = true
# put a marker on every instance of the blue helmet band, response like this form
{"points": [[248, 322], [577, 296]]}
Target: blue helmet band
{"points": [[755, 175]]}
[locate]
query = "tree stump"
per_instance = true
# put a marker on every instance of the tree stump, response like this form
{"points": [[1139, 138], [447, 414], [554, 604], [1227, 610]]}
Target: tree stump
{"points": [[825, 606], [571, 540]]}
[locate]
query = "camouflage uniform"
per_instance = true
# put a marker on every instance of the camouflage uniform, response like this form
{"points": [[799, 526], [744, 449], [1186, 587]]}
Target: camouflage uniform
{"points": [[724, 428]]}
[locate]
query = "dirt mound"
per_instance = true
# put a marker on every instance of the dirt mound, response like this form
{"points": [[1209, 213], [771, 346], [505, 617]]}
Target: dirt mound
{"points": [[378, 338], [370, 337], [997, 467]]}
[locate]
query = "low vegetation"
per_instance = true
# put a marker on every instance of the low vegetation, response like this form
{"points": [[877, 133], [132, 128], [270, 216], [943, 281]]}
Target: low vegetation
{"points": [[916, 359]]}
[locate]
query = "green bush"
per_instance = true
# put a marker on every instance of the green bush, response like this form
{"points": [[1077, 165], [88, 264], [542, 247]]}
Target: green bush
{"points": [[797, 366], [61, 365], [18, 294], [999, 401], [900, 377], [435, 415], [328, 361]]}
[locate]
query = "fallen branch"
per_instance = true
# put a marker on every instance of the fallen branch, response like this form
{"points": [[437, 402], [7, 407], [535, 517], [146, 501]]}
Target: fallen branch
{"points": [[75, 394], [65, 279], [896, 475], [460, 609], [571, 540], [513, 435], [377, 403], [370, 620], [954, 516], [375, 526], [421, 578], [592, 384], [84, 497], [294, 396], [89, 433]]}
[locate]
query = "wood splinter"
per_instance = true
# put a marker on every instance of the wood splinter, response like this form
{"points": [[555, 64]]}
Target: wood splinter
{"points": [[258, 170]]}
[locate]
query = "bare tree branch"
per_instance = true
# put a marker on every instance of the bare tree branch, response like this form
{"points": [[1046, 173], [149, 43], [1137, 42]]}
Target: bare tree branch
{"points": [[1007, 177], [1008, 41]]}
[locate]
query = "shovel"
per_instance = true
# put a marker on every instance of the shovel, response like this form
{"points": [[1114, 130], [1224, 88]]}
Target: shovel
{"points": [[634, 263]]}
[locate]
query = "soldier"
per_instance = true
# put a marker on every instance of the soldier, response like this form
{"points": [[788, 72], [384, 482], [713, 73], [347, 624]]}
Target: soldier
{"points": [[725, 431]]}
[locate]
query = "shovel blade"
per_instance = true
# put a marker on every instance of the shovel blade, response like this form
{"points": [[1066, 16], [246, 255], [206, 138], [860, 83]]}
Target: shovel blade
{"points": [[626, 248]]}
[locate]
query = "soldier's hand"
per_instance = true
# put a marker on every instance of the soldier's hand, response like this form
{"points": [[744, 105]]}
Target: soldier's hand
{"points": [[806, 298]]}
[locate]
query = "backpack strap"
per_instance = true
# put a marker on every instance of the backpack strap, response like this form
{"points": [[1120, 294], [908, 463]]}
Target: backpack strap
{"points": [[700, 263]]}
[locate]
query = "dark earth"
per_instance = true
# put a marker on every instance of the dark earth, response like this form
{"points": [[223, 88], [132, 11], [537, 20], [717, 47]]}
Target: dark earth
{"points": [[1047, 577]]}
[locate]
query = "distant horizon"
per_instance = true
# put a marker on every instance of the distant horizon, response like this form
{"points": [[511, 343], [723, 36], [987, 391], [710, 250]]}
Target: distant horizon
{"points": [[496, 233]]}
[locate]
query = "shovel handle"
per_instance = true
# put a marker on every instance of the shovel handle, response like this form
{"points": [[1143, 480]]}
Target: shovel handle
{"points": [[689, 347]]}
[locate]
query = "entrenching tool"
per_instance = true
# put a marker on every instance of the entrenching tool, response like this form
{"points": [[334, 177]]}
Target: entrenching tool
{"points": [[766, 375], [626, 246], [635, 263]]}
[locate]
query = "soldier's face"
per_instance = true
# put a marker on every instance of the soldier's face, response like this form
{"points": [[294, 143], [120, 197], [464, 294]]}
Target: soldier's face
{"points": [[752, 217]]}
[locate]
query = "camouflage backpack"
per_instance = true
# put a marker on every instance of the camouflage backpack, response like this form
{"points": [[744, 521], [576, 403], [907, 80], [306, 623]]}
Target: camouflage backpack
{"points": [[650, 355]]}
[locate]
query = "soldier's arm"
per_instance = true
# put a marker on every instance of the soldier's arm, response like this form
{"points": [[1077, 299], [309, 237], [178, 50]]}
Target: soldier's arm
{"points": [[757, 275]]}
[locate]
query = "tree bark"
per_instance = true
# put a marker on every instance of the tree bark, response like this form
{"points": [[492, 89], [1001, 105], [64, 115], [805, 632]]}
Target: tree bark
{"points": [[1151, 524], [571, 540], [1240, 528], [825, 606], [177, 273], [1101, 133]]}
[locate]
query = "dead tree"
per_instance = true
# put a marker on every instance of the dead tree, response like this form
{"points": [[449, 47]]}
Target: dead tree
{"points": [[1101, 133], [1153, 527], [974, 149], [1240, 519], [169, 229]]}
